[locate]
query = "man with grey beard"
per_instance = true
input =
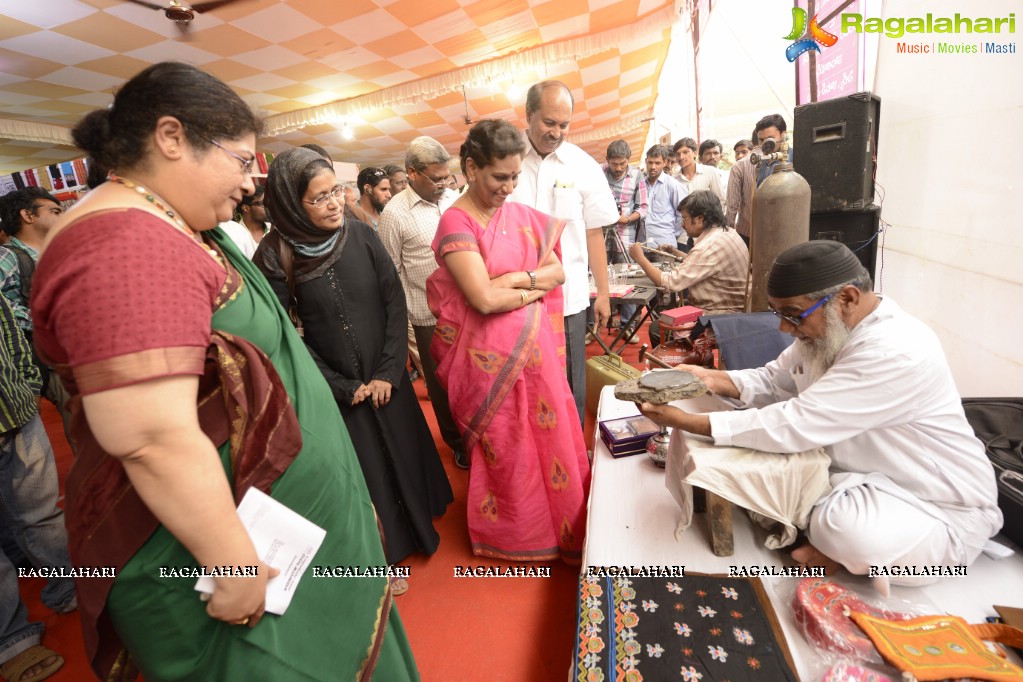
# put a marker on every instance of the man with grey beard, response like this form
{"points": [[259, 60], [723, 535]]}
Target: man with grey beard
{"points": [[869, 383]]}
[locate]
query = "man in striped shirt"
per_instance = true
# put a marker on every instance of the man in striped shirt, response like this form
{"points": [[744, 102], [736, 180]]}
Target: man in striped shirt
{"points": [[28, 494], [27, 216], [629, 191], [714, 271], [742, 182]]}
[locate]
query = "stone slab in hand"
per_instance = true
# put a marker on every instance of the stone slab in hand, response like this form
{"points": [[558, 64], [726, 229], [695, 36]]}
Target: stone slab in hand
{"points": [[660, 387]]}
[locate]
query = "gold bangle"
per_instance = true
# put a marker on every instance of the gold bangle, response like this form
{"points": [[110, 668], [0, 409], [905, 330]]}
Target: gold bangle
{"points": [[524, 295]]}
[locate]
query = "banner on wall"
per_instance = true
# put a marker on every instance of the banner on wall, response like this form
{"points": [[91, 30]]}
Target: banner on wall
{"points": [[838, 67], [67, 176], [67, 170], [81, 172], [56, 179]]}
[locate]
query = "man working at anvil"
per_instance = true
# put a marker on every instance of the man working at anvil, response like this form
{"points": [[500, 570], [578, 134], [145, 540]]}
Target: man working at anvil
{"points": [[865, 380]]}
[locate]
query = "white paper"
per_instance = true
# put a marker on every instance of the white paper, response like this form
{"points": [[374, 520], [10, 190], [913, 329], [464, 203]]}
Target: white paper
{"points": [[283, 539]]}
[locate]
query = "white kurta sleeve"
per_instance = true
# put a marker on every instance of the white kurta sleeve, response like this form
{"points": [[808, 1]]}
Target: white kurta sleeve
{"points": [[769, 384], [864, 390]]}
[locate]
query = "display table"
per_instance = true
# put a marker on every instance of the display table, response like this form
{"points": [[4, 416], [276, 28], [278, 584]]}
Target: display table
{"points": [[644, 296], [632, 519]]}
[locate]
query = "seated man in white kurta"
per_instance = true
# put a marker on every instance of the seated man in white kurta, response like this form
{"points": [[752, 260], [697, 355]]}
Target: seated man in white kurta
{"points": [[912, 485]]}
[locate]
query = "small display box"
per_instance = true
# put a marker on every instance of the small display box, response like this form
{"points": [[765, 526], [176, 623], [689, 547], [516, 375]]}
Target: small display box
{"points": [[679, 316], [628, 435], [614, 290]]}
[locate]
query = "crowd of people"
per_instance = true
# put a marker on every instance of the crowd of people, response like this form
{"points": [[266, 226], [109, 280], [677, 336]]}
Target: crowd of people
{"points": [[278, 352]]}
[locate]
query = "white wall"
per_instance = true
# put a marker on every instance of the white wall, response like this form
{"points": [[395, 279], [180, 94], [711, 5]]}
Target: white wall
{"points": [[948, 158]]}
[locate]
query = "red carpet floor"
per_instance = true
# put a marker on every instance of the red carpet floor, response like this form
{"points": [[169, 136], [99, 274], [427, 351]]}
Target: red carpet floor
{"points": [[461, 629]]}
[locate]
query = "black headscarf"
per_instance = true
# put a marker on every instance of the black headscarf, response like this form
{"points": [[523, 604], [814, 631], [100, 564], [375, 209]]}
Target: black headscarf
{"points": [[313, 249], [812, 266]]}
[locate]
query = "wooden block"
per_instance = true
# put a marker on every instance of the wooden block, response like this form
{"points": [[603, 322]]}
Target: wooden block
{"points": [[719, 516], [699, 500]]}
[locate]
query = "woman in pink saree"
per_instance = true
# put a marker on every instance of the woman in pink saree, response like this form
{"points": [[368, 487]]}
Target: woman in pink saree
{"points": [[500, 351]]}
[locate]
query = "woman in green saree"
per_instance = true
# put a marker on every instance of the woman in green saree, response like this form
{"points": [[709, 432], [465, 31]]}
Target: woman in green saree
{"points": [[189, 387]]}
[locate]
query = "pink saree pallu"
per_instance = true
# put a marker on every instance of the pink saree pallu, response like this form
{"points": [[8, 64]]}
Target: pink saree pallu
{"points": [[507, 389]]}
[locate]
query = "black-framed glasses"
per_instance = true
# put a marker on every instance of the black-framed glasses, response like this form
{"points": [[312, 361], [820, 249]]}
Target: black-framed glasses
{"points": [[321, 201], [798, 320], [247, 164]]}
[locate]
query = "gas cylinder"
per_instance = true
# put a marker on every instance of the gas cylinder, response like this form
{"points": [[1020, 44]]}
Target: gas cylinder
{"points": [[781, 219]]}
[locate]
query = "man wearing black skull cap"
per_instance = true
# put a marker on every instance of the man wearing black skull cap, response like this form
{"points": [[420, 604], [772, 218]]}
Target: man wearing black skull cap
{"points": [[911, 484]]}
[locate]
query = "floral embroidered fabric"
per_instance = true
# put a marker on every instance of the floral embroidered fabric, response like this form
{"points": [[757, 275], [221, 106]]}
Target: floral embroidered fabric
{"points": [[687, 628]]}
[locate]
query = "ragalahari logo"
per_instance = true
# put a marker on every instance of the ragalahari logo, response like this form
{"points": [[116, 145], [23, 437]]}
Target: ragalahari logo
{"points": [[818, 36]]}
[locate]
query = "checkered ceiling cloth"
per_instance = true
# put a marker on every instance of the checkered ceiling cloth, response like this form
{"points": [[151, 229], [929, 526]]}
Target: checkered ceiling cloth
{"points": [[387, 69]]}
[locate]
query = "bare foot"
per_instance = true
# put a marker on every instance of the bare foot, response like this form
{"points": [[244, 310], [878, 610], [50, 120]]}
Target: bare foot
{"points": [[808, 556]]}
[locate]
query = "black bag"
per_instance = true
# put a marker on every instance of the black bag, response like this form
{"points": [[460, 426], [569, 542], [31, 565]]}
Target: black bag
{"points": [[998, 423]]}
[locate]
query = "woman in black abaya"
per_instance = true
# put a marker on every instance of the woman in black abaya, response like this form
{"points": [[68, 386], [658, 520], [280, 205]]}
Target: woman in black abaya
{"points": [[343, 291]]}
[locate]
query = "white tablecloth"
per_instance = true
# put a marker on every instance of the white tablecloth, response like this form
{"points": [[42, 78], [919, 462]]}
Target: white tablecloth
{"points": [[632, 519]]}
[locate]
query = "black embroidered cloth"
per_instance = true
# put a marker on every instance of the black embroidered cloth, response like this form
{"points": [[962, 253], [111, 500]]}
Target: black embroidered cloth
{"points": [[706, 628]]}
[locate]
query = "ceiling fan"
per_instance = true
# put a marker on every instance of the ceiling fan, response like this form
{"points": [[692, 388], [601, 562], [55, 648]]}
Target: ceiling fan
{"points": [[182, 14]]}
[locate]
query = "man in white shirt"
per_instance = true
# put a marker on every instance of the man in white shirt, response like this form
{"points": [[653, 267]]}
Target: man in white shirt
{"points": [[911, 483], [247, 233], [408, 224], [694, 176], [562, 180]]}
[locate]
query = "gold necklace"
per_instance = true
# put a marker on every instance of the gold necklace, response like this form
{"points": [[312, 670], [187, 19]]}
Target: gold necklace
{"points": [[482, 217], [152, 198]]}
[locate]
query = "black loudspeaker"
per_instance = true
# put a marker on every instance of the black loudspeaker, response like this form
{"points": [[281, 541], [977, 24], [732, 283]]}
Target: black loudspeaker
{"points": [[835, 147], [856, 229]]}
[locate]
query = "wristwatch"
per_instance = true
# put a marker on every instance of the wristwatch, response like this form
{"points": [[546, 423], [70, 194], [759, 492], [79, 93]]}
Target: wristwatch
{"points": [[532, 279]]}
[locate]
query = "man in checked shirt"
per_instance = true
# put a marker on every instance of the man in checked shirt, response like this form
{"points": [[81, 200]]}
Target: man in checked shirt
{"points": [[407, 226]]}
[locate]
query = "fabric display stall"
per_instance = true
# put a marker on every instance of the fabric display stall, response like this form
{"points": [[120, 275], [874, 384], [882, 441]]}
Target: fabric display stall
{"points": [[632, 624], [690, 628]]}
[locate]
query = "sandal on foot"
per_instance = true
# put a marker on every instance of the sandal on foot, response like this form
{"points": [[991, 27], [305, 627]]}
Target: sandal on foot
{"points": [[399, 586], [15, 670]]}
